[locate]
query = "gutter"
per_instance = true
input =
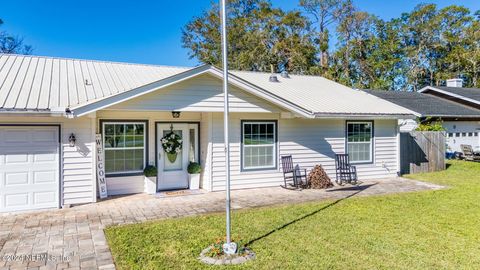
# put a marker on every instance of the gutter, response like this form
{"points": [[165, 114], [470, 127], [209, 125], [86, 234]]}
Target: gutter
{"points": [[365, 116]]}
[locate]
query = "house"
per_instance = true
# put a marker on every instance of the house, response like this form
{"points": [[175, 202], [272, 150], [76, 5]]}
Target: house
{"points": [[457, 107], [52, 108]]}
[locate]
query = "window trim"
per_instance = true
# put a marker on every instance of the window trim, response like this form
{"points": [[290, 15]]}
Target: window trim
{"points": [[145, 138], [275, 145], [372, 141]]}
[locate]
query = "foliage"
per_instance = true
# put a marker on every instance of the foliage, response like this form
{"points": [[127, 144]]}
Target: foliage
{"points": [[194, 168], [426, 46], [217, 248], [150, 171], [172, 143], [13, 44], [429, 125], [260, 37], [416, 230]]}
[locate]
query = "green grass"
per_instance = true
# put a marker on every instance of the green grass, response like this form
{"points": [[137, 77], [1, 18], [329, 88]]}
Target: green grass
{"points": [[421, 230]]}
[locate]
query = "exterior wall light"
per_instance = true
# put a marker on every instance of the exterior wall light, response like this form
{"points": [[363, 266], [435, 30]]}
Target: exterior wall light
{"points": [[175, 114], [72, 139]]}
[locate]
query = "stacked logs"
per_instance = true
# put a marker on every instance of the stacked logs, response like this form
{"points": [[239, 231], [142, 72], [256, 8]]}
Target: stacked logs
{"points": [[318, 178]]}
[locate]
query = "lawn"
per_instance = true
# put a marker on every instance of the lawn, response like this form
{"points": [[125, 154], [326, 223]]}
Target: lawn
{"points": [[422, 230]]}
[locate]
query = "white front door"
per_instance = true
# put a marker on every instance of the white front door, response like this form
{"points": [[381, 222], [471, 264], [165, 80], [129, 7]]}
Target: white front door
{"points": [[172, 170], [29, 168]]}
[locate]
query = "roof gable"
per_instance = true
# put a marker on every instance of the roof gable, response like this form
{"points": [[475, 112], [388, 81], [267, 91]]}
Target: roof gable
{"points": [[200, 93]]}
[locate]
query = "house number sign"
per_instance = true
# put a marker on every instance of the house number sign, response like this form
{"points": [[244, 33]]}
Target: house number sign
{"points": [[102, 182]]}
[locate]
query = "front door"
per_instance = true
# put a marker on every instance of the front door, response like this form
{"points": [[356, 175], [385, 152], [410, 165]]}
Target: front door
{"points": [[172, 165]]}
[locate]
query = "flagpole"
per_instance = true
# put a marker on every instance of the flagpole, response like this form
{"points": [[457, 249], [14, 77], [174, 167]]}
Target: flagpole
{"points": [[225, 117]]}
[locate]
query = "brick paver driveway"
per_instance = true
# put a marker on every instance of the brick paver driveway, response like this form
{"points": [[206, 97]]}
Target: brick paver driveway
{"points": [[74, 239]]}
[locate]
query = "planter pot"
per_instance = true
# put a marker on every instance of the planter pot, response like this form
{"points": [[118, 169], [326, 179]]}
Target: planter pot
{"points": [[172, 157], [150, 185], [194, 181]]}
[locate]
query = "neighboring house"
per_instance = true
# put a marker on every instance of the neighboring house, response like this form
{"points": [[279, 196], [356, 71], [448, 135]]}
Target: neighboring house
{"points": [[45, 102], [457, 107]]}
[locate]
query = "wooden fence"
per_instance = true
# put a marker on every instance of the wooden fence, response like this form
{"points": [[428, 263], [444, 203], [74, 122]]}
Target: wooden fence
{"points": [[422, 151]]}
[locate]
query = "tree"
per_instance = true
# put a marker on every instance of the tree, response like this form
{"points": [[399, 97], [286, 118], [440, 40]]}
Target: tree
{"points": [[259, 37], [324, 13], [13, 44]]}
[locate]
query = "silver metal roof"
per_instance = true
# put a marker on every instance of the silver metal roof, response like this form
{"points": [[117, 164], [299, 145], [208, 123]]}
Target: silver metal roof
{"points": [[48, 83], [322, 96], [36, 83]]}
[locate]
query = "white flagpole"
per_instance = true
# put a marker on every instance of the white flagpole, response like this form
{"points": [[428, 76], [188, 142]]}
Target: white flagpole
{"points": [[228, 247]]}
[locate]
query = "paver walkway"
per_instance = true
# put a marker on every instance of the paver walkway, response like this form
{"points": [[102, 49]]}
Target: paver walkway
{"points": [[74, 239]]}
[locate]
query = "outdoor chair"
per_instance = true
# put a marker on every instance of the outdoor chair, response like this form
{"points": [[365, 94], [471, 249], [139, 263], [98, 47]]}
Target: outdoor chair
{"points": [[468, 153], [344, 171], [297, 175]]}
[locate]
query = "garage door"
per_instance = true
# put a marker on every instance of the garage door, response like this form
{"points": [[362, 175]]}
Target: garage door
{"points": [[29, 167]]}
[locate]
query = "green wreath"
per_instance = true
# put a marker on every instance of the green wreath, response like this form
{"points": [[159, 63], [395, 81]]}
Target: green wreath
{"points": [[172, 145]]}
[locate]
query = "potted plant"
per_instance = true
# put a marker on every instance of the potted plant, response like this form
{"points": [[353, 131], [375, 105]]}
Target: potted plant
{"points": [[194, 170], [150, 184]]}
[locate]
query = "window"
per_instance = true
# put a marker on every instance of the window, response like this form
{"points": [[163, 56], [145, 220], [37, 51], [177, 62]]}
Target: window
{"points": [[457, 134], [464, 134], [450, 135], [124, 145], [259, 149], [470, 134], [359, 141]]}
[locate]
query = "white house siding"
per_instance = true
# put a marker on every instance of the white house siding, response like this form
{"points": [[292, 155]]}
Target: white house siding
{"points": [[309, 141], [206, 150], [202, 94], [462, 132], [77, 162]]}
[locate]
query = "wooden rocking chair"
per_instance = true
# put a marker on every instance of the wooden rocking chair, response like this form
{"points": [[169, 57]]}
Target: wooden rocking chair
{"points": [[344, 171], [293, 173]]}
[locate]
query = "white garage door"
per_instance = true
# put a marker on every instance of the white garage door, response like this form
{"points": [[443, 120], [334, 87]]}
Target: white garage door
{"points": [[29, 167]]}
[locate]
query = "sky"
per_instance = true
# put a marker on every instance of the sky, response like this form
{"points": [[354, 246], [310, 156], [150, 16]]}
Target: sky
{"points": [[136, 31]]}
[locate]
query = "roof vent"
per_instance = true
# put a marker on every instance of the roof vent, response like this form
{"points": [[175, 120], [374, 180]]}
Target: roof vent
{"points": [[284, 74], [88, 82], [455, 83], [273, 78]]}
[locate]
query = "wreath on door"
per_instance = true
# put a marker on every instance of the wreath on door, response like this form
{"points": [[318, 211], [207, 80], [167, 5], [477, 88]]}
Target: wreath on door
{"points": [[172, 145]]}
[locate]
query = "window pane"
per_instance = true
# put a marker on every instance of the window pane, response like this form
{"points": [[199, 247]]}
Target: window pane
{"points": [[258, 145], [129, 141], [119, 137], [109, 129], [359, 139], [129, 129]]}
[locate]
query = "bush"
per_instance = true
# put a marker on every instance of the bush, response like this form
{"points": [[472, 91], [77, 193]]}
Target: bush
{"points": [[150, 171], [318, 178], [429, 125], [194, 168]]}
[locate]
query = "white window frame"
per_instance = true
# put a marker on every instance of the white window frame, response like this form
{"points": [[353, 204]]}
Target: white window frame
{"points": [[145, 130], [275, 155], [371, 140]]}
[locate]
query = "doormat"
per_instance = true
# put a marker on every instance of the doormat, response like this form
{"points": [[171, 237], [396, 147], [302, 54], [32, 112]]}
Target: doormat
{"points": [[176, 193]]}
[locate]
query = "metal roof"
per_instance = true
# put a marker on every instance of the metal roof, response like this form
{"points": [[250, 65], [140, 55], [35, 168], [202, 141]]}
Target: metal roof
{"points": [[35, 83], [44, 83], [426, 105], [322, 96]]}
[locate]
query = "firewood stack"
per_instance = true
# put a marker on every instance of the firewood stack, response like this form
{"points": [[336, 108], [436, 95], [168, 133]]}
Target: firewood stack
{"points": [[318, 178]]}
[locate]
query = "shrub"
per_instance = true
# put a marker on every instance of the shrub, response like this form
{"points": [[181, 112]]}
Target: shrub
{"points": [[194, 168], [150, 171], [318, 178], [429, 125]]}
